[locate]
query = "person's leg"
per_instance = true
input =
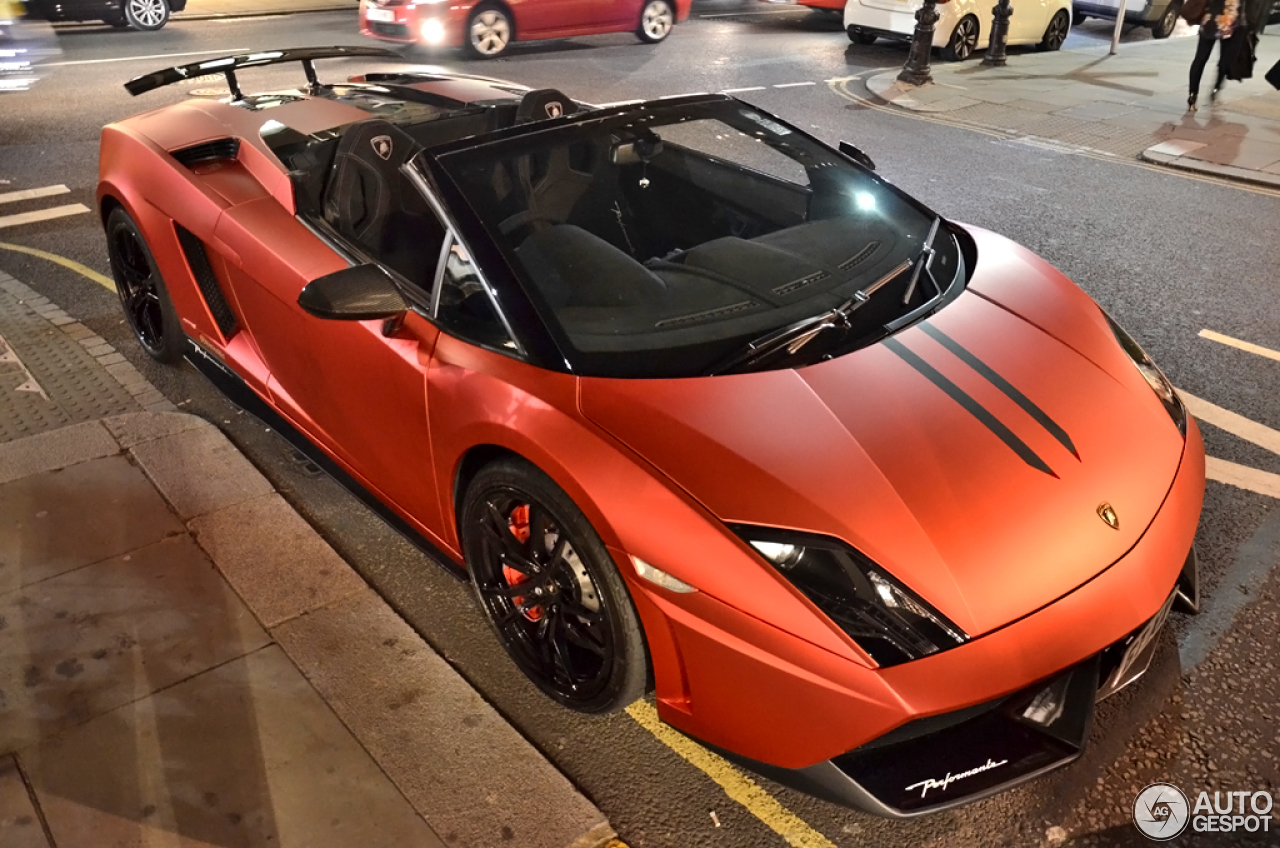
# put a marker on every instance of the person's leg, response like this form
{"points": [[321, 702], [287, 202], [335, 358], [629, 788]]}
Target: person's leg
{"points": [[1204, 46]]}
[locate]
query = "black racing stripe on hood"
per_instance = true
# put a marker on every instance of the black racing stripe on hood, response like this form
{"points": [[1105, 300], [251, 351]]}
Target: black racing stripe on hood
{"points": [[970, 405], [1028, 405]]}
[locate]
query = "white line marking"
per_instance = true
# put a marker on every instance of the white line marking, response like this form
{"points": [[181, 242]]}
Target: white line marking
{"points": [[1242, 345], [794, 84], [33, 193], [762, 12], [227, 51], [740, 90], [9, 356], [1242, 476], [1234, 423], [42, 215]]}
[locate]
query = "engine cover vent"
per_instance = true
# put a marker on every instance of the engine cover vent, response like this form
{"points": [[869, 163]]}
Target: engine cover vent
{"points": [[207, 151]]}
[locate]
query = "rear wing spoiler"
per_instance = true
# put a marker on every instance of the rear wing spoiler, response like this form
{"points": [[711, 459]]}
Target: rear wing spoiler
{"points": [[228, 65]]}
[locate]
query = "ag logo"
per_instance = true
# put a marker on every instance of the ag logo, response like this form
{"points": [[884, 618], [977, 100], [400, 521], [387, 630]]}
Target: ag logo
{"points": [[554, 109], [382, 145], [1161, 811]]}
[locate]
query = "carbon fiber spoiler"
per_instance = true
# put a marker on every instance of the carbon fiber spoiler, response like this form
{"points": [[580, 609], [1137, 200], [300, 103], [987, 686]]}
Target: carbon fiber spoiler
{"points": [[228, 65]]}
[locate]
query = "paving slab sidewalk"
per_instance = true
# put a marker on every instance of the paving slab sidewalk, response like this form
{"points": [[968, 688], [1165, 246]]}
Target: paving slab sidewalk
{"points": [[184, 661], [1129, 105]]}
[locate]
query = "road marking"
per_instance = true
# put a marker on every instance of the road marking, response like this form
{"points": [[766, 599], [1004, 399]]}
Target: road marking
{"points": [[33, 193], [227, 51], [1242, 477], [70, 264], [736, 785], [42, 215], [1242, 345], [1234, 423], [794, 84], [740, 90], [9, 356]]}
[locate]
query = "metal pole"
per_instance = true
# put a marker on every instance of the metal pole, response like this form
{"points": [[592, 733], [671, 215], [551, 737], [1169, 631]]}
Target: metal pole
{"points": [[1115, 35], [916, 70], [1000, 14]]}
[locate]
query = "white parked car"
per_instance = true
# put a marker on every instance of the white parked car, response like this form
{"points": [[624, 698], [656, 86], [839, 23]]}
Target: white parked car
{"points": [[963, 25]]}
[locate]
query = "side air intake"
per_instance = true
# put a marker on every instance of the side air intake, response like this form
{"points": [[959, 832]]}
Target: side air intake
{"points": [[207, 151], [202, 270]]}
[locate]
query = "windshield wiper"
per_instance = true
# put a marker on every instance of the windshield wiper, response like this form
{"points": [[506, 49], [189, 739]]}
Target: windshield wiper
{"points": [[797, 335], [924, 262]]}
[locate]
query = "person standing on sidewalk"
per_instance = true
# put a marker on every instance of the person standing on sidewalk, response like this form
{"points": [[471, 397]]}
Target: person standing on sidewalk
{"points": [[1223, 23]]}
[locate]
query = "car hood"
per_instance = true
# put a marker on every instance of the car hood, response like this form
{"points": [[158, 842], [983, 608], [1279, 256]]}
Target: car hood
{"points": [[969, 455]]}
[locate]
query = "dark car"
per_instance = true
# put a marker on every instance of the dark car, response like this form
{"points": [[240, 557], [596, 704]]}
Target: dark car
{"points": [[146, 15], [1160, 16]]}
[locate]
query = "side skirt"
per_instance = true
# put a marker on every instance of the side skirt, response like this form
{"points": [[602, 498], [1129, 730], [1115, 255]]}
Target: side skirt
{"points": [[238, 392]]}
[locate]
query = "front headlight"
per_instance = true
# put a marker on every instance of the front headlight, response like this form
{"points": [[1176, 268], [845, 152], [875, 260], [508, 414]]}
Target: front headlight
{"points": [[881, 615], [1155, 378]]}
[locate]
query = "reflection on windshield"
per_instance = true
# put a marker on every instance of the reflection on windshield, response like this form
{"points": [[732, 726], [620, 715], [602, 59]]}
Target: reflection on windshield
{"points": [[663, 244]]}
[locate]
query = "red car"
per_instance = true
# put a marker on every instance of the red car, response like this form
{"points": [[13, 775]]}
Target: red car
{"points": [[883, 502], [485, 28]]}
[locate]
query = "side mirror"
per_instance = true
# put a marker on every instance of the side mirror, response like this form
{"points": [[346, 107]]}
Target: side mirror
{"points": [[857, 155], [358, 293]]}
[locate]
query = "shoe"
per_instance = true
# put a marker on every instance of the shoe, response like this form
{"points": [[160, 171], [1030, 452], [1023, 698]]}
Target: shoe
{"points": [[1213, 95], [1191, 101]]}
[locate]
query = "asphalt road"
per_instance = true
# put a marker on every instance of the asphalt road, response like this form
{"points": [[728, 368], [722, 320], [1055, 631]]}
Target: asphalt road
{"points": [[1168, 255]]}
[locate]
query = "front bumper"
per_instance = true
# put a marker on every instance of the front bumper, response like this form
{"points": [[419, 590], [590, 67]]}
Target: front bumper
{"points": [[403, 24], [796, 712]]}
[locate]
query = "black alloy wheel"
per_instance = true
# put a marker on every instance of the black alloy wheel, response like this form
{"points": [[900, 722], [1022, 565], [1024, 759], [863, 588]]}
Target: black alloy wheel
{"points": [[1056, 32], [142, 291], [964, 40], [1164, 27], [550, 590]]}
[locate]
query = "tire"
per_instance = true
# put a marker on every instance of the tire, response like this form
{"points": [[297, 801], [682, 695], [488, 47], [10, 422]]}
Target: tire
{"points": [[657, 19], [1056, 32], [146, 15], [144, 297], [860, 36], [581, 643], [490, 31], [1164, 27], [963, 41]]}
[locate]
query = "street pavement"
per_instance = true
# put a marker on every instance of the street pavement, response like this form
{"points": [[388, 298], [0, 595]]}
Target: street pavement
{"points": [[1131, 104], [201, 9], [184, 660]]}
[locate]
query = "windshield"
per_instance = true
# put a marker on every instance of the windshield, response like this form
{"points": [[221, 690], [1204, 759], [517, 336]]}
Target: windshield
{"points": [[665, 241]]}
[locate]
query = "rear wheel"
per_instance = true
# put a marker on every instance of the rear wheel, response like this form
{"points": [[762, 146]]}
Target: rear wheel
{"points": [[964, 40], [1163, 28], [861, 36], [550, 589], [143, 294], [146, 15], [1056, 32], [657, 19], [489, 32]]}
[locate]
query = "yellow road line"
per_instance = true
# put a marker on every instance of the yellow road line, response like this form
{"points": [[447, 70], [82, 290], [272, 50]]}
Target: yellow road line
{"points": [[1242, 345], [736, 785], [105, 282]]}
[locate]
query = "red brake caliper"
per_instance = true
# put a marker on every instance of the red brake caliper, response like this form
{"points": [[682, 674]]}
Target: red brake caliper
{"points": [[518, 523]]}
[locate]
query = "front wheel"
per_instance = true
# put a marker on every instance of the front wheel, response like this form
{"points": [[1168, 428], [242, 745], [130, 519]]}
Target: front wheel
{"points": [[657, 19], [964, 40], [550, 589], [1163, 28], [1056, 32], [146, 15], [489, 32], [143, 294]]}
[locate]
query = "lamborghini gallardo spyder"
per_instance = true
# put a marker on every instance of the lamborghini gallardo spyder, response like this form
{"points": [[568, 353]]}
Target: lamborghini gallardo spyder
{"points": [[879, 504]]}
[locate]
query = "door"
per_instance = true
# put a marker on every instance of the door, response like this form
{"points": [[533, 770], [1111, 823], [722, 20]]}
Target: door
{"points": [[536, 18]]}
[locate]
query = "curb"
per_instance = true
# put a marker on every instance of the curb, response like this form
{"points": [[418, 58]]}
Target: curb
{"points": [[262, 13], [1229, 172]]}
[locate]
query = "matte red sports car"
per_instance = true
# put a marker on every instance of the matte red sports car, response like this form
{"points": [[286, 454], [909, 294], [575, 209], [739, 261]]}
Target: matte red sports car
{"points": [[485, 28], [884, 502]]}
